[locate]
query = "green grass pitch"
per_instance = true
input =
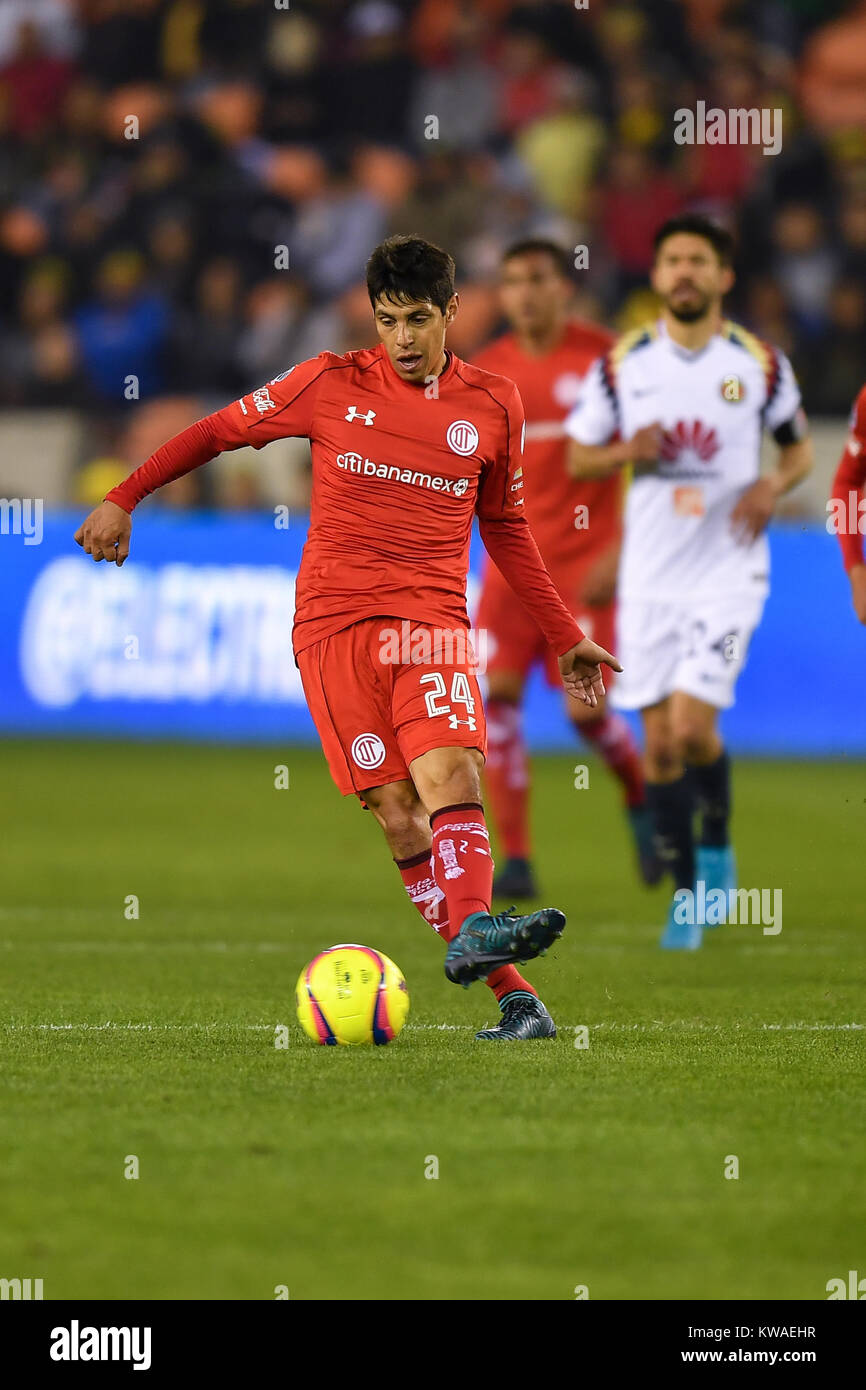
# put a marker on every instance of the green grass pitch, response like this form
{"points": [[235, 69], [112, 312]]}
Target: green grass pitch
{"points": [[305, 1167]]}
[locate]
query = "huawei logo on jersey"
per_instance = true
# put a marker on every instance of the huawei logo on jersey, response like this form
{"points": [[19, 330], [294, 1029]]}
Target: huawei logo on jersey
{"points": [[689, 437]]}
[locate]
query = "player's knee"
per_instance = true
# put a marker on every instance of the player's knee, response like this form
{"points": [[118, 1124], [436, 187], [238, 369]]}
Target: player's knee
{"points": [[693, 740], [662, 758], [452, 778], [400, 813]]}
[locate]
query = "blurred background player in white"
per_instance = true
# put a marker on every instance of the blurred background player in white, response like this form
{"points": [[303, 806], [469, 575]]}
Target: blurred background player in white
{"points": [[685, 401], [577, 526]]}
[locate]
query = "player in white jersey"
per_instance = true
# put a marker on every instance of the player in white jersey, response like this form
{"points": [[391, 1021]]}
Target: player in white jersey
{"points": [[684, 402]]}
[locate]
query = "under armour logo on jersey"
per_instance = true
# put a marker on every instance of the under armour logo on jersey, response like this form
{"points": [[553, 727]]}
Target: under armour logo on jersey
{"points": [[353, 413], [453, 722]]}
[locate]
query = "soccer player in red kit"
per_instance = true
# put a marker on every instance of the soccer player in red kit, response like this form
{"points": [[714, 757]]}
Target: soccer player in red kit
{"points": [[408, 444], [847, 505], [576, 526]]}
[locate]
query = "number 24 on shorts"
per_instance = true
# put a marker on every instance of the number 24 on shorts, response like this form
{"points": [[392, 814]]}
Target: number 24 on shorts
{"points": [[461, 694]]}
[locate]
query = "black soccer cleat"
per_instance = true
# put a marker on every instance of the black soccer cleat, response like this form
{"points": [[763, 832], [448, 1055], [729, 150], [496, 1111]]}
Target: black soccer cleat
{"points": [[515, 880], [523, 1017], [486, 941]]}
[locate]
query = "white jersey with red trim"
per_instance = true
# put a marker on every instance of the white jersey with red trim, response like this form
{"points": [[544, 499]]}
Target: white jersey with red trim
{"points": [[713, 405]]}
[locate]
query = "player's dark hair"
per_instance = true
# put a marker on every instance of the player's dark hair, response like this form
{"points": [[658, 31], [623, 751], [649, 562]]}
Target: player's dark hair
{"points": [[695, 224], [532, 246], [407, 268]]}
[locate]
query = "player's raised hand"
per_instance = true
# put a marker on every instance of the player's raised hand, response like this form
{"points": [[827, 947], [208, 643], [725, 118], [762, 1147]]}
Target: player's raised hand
{"points": [[580, 668], [753, 511], [858, 591], [105, 533]]}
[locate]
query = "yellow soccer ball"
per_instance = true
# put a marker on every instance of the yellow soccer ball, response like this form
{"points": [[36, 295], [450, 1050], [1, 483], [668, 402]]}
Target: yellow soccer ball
{"points": [[351, 994]]}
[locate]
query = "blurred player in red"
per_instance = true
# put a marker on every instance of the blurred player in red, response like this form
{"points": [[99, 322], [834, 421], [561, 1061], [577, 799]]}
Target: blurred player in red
{"points": [[848, 505], [408, 444], [576, 526]]}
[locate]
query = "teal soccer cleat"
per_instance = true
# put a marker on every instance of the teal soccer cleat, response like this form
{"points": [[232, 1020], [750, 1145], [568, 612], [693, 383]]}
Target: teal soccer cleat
{"points": [[486, 941], [680, 936], [717, 869]]}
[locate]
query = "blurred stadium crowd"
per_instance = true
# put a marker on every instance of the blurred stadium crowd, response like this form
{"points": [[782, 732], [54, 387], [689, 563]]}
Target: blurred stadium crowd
{"points": [[156, 248]]}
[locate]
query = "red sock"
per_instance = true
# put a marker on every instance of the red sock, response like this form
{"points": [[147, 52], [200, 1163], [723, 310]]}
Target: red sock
{"points": [[462, 863], [425, 893], [506, 979], [612, 739], [430, 901], [428, 897], [506, 776]]}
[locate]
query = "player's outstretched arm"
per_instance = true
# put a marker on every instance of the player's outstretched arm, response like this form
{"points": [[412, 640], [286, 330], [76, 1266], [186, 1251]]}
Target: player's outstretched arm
{"points": [[601, 460], [580, 668], [106, 533]]}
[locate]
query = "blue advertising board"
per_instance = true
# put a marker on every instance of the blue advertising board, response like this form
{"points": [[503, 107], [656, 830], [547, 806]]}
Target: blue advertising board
{"points": [[191, 639]]}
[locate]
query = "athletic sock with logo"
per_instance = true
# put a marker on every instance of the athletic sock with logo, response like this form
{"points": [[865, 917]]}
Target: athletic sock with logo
{"points": [[423, 890], [462, 863], [417, 875]]}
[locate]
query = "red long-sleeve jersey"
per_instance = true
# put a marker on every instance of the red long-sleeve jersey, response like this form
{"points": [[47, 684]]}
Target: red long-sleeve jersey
{"points": [[399, 470], [848, 485]]}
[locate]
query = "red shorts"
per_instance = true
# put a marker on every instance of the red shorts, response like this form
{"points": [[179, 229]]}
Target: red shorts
{"points": [[386, 690], [514, 643]]}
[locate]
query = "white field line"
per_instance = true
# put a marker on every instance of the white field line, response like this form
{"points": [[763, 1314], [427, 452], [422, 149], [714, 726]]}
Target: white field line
{"points": [[656, 1026], [760, 945]]}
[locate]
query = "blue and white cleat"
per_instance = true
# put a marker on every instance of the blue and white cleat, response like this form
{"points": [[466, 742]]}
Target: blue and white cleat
{"points": [[680, 936], [716, 868]]}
